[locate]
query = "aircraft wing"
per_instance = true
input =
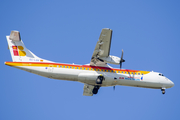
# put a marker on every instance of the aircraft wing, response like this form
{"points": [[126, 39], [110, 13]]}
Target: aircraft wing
{"points": [[88, 90], [102, 48]]}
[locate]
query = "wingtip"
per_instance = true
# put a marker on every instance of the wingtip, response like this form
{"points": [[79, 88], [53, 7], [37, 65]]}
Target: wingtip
{"points": [[107, 28]]}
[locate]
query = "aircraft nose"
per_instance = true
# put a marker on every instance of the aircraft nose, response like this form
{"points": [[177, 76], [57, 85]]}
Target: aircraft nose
{"points": [[171, 83]]}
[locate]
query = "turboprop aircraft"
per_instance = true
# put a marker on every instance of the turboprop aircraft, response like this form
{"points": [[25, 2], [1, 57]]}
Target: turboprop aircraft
{"points": [[94, 75]]}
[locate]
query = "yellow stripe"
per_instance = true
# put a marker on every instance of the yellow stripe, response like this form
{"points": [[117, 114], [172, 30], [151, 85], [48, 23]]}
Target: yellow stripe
{"points": [[135, 72]]}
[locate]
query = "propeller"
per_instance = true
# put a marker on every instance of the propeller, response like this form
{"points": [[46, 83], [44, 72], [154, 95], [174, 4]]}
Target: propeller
{"points": [[121, 60], [113, 87]]}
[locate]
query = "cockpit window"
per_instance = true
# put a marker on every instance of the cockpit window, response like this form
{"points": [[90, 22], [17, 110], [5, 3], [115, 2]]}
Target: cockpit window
{"points": [[161, 74]]}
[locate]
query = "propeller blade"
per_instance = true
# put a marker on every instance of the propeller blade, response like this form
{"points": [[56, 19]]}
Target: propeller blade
{"points": [[122, 60], [122, 54], [113, 87], [120, 65]]}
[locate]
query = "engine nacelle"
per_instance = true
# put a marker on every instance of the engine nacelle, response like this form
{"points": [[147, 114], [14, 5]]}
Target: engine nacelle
{"points": [[111, 59]]}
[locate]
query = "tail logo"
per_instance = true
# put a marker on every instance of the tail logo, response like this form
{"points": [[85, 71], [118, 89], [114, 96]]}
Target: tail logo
{"points": [[18, 51]]}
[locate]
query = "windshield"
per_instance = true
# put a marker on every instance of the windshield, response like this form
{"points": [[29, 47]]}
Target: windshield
{"points": [[160, 74]]}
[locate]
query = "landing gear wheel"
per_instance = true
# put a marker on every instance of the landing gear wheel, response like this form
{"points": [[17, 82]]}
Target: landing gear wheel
{"points": [[99, 79], [163, 91], [95, 90]]}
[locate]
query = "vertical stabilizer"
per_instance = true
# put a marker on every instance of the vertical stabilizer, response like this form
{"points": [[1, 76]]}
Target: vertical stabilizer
{"points": [[19, 52]]}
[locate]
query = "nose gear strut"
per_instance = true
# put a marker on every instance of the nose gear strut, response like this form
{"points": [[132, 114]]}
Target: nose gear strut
{"points": [[163, 91]]}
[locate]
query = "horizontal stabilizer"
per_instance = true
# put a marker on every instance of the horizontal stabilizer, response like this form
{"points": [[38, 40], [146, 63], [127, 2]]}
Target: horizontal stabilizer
{"points": [[15, 36]]}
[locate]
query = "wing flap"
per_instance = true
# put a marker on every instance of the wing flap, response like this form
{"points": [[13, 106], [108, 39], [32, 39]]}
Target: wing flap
{"points": [[88, 90]]}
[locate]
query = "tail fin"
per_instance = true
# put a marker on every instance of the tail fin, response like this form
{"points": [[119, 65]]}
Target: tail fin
{"points": [[19, 52]]}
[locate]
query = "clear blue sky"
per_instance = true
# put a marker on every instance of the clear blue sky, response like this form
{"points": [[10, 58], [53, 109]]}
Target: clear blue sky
{"points": [[67, 32]]}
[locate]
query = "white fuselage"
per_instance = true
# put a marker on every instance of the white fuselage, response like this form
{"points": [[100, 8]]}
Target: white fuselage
{"points": [[88, 75]]}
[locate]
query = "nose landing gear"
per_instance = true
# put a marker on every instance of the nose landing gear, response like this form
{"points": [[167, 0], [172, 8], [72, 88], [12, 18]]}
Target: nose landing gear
{"points": [[163, 91]]}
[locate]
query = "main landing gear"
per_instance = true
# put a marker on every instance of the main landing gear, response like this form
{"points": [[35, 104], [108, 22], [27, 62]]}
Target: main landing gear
{"points": [[99, 81], [163, 91], [95, 90]]}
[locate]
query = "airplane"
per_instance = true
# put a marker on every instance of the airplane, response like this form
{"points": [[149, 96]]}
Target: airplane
{"points": [[94, 75]]}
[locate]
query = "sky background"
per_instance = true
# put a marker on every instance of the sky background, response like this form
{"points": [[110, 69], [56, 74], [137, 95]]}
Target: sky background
{"points": [[67, 31]]}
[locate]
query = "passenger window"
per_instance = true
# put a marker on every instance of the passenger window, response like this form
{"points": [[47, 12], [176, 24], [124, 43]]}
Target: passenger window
{"points": [[138, 73], [77, 68]]}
